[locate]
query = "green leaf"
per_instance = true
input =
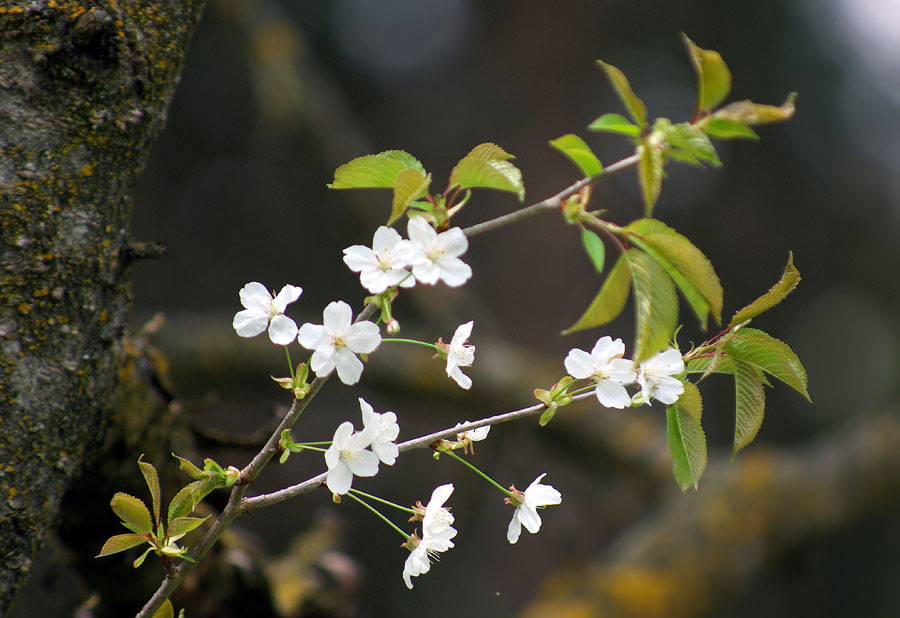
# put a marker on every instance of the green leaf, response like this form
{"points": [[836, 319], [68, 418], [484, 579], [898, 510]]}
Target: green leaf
{"points": [[610, 300], [180, 526], [594, 247], [769, 354], [487, 166], [750, 404], [693, 141], [686, 264], [634, 105], [183, 502], [201, 489], [133, 513], [775, 295], [410, 185], [152, 479], [186, 466], [752, 113], [722, 364], [121, 542], [579, 153], [140, 559], [723, 128], [655, 305], [650, 173], [165, 611], [713, 76], [375, 171], [615, 123], [687, 442]]}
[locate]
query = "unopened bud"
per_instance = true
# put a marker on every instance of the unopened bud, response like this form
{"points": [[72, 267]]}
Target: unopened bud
{"points": [[393, 327]]}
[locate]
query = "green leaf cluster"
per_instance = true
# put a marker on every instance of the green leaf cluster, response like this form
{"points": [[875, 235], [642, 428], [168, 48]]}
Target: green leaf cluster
{"points": [[660, 261], [486, 166], [689, 142], [160, 535]]}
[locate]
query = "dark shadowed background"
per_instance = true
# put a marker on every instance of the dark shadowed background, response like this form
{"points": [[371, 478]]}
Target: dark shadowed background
{"points": [[276, 95]]}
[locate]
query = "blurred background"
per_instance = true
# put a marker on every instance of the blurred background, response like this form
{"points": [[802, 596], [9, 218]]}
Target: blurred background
{"points": [[275, 95]]}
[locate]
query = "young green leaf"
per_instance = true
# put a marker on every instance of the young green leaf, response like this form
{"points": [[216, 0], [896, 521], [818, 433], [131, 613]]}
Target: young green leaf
{"points": [[655, 305], [634, 105], [687, 442], [686, 264], [752, 113], [121, 542], [579, 153], [615, 123], [152, 479], [690, 139], [723, 128], [186, 465], [487, 166], [594, 247], [374, 171], [650, 173], [180, 526], [750, 404], [769, 354], [775, 295], [409, 186], [610, 300], [183, 502], [133, 513], [713, 76], [166, 611]]}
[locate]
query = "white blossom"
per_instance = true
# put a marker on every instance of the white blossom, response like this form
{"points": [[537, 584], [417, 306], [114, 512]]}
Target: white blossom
{"points": [[472, 435], [460, 355], [382, 429], [655, 377], [435, 256], [436, 535], [384, 265], [336, 343], [527, 503], [347, 457], [262, 309], [605, 365]]}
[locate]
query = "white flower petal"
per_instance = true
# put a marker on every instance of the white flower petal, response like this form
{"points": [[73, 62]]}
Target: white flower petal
{"points": [[420, 232], [349, 368], [254, 295], [612, 394], [365, 463], [454, 271], [385, 239], [458, 376], [282, 330], [529, 518], [426, 272], [462, 334], [363, 337], [359, 258], [250, 322], [312, 336], [339, 479], [607, 349], [323, 361], [453, 242], [514, 529], [286, 296], [579, 364], [337, 316]]}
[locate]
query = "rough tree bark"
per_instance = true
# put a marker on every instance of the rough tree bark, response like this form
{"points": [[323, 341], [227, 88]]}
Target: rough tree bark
{"points": [[84, 87]]}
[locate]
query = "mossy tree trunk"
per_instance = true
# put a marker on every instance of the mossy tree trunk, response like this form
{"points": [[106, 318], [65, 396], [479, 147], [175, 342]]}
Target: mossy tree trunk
{"points": [[84, 87]]}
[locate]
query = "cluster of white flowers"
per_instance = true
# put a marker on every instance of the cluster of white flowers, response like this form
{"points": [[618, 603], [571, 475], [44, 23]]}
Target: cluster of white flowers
{"points": [[430, 257], [349, 453], [437, 532], [612, 374]]}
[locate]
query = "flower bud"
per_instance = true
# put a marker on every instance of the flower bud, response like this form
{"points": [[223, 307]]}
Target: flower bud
{"points": [[393, 327]]}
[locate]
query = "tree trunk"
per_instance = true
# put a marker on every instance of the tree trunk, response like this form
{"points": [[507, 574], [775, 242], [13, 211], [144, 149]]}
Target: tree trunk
{"points": [[84, 88]]}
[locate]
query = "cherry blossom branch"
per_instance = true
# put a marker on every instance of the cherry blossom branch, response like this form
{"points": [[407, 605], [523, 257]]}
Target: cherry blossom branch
{"points": [[264, 500], [551, 203]]}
